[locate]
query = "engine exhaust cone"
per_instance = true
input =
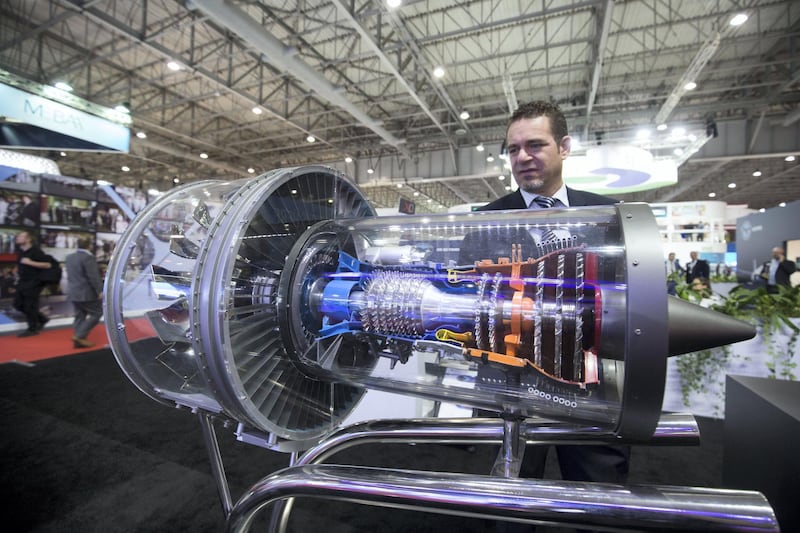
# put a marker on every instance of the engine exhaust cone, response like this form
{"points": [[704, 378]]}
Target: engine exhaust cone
{"points": [[693, 327]]}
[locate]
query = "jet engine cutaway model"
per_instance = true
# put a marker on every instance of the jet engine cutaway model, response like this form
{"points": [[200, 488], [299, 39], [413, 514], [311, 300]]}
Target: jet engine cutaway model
{"points": [[525, 332], [277, 301]]}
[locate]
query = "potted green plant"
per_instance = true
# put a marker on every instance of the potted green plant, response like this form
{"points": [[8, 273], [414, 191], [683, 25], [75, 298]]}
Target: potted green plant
{"points": [[775, 316]]}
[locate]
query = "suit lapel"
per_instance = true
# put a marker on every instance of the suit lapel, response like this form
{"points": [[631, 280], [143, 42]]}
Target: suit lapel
{"points": [[516, 201], [576, 199]]}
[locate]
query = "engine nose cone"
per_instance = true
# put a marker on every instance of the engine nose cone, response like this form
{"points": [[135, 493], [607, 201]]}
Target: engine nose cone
{"points": [[693, 327]]}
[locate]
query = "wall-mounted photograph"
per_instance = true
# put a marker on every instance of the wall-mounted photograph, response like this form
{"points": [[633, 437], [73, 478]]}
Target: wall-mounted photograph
{"points": [[73, 213]]}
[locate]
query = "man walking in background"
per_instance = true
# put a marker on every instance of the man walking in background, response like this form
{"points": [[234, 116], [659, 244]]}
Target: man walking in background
{"points": [[30, 261], [85, 291]]}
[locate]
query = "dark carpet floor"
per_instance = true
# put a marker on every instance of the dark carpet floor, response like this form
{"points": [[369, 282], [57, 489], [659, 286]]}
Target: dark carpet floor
{"points": [[83, 450]]}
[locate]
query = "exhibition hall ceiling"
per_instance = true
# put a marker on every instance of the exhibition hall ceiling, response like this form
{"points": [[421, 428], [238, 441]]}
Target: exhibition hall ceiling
{"points": [[230, 89]]}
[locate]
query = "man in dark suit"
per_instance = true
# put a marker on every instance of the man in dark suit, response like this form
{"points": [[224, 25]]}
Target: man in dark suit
{"points": [[777, 270], [697, 268], [85, 291], [538, 142]]}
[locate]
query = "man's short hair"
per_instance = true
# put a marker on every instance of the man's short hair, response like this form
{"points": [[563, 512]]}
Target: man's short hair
{"points": [[539, 108], [84, 243]]}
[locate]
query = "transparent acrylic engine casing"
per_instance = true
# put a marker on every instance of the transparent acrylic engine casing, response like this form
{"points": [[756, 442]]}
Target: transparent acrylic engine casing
{"points": [[278, 300], [526, 312]]}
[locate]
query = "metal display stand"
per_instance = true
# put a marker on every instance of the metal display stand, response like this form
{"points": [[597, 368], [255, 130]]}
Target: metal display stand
{"points": [[601, 506]]}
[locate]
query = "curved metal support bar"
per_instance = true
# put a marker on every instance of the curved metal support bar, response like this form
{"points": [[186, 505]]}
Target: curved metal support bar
{"points": [[672, 429], [570, 504]]}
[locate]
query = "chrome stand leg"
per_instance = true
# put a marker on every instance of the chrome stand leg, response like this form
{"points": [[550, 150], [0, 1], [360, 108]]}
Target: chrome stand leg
{"points": [[509, 458], [215, 458]]}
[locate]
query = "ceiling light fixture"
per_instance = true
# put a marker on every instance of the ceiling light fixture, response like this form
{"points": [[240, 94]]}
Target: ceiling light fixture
{"points": [[311, 138], [738, 19], [480, 148], [348, 159], [731, 185], [173, 66], [399, 185], [370, 171], [438, 72], [782, 204], [251, 170], [757, 174], [690, 86], [789, 158], [257, 110], [122, 109], [63, 86], [393, 4], [204, 156], [490, 158], [661, 127], [464, 115], [712, 195], [63, 154], [125, 169], [141, 135]]}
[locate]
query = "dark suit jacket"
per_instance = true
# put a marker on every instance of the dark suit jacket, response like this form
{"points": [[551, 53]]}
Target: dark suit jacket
{"points": [[489, 244], [83, 277], [576, 199], [785, 269], [700, 270]]}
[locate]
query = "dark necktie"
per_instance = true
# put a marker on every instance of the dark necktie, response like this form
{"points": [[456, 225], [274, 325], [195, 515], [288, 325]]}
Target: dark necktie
{"points": [[546, 202]]}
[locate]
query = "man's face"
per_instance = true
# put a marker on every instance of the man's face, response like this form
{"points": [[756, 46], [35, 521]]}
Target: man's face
{"points": [[671, 257], [22, 239], [693, 255], [535, 155], [777, 253]]}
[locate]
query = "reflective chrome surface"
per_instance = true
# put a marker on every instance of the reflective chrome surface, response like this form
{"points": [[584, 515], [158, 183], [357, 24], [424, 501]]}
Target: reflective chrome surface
{"points": [[673, 429], [598, 506]]}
